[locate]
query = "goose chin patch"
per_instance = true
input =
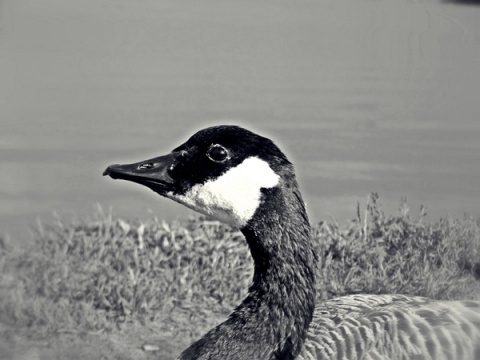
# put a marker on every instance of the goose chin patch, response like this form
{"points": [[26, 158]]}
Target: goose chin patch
{"points": [[233, 197]]}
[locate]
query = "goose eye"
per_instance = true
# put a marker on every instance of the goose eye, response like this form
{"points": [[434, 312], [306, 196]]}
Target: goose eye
{"points": [[217, 153]]}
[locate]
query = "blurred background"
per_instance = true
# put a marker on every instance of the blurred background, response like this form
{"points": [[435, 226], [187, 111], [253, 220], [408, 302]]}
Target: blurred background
{"points": [[362, 95]]}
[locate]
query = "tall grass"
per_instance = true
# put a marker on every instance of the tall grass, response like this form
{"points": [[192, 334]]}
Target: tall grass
{"points": [[400, 254], [100, 273]]}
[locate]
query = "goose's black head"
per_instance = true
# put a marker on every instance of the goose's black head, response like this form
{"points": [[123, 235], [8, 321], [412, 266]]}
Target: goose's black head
{"points": [[221, 171]]}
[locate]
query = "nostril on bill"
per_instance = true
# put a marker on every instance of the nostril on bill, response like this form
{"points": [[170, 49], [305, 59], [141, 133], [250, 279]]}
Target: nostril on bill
{"points": [[144, 166]]}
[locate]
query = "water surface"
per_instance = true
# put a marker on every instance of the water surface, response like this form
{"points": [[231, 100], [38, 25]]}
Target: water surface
{"points": [[362, 95]]}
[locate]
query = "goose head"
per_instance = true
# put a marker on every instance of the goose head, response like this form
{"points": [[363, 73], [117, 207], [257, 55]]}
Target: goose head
{"points": [[224, 172], [243, 179]]}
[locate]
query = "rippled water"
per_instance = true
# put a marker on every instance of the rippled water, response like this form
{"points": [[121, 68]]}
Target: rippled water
{"points": [[362, 95]]}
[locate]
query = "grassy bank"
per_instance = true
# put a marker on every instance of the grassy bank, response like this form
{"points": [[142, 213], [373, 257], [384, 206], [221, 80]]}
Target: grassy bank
{"points": [[107, 274]]}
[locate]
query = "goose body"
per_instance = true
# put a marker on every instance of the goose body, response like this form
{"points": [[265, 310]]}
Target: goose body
{"points": [[243, 179]]}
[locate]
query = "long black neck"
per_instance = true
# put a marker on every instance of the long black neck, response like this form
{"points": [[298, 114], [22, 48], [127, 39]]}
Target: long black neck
{"points": [[272, 321], [284, 278]]}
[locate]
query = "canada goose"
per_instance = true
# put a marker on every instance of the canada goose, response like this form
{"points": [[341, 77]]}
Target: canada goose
{"points": [[243, 179]]}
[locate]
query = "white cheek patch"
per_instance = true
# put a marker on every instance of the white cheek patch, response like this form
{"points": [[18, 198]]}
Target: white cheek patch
{"points": [[234, 196]]}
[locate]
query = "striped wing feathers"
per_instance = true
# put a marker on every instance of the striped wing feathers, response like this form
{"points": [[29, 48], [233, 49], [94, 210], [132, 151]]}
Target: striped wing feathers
{"points": [[394, 327]]}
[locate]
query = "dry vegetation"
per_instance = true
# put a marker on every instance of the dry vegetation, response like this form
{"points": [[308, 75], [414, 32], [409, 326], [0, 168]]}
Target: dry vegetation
{"points": [[109, 276]]}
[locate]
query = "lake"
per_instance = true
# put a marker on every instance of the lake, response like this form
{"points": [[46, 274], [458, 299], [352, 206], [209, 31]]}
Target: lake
{"points": [[363, 96]]}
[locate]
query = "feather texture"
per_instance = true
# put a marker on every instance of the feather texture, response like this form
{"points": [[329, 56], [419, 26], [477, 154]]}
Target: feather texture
{"points": [[394, 327]]}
